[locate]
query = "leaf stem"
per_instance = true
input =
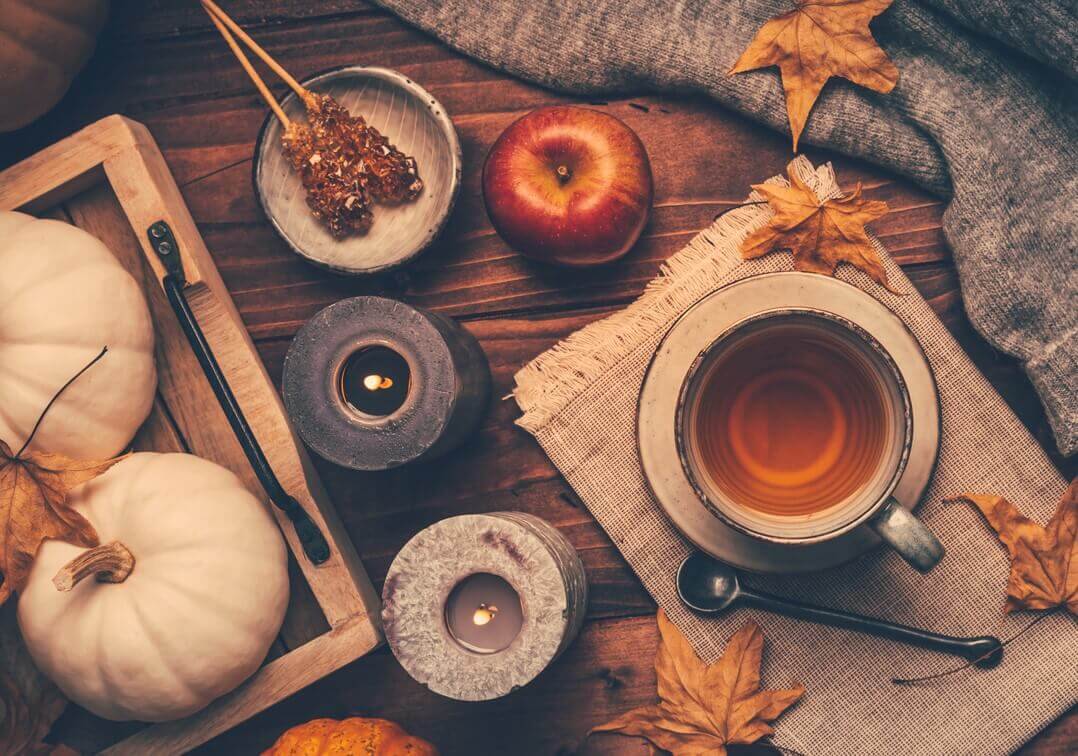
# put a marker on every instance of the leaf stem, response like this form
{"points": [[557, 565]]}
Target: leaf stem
{"points": [[41, 417], [967, 665], [738, 207]]}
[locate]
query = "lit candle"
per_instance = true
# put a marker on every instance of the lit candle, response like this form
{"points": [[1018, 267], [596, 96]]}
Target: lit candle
{"points": [[483, 613], [476, 606], [375, 381], [371, 383]]}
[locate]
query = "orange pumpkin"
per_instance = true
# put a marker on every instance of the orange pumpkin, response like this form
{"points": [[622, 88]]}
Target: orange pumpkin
{"points": [[355, 736], [45, 43]]}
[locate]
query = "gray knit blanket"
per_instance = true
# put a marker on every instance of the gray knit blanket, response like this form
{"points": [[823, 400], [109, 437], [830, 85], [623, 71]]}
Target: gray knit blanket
{"points": [[985, 113]]}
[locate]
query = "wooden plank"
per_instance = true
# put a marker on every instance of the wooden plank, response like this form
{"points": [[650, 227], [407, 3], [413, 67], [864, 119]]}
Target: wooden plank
{"points": [[138, 192], [147, 194], [64, 169], [160, 62], [273, 682], [470, 271], [159, 432], [1058, 739], [152, 19], [503, 468], [607, 671]]}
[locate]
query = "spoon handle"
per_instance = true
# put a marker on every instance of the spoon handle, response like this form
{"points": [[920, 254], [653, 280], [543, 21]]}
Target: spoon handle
{"points": [[985, 651]]}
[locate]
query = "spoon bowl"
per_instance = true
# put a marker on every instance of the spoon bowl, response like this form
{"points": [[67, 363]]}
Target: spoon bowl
{"points": [[707, 585]]}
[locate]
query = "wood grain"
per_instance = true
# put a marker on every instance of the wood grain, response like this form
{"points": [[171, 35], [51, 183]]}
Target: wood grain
{"points": [[277, 680], [161, 62], [114, 183], [147, 193]]}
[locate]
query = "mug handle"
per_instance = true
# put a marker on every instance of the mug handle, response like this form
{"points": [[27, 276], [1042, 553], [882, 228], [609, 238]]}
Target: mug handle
{"points": [[908, 536]]}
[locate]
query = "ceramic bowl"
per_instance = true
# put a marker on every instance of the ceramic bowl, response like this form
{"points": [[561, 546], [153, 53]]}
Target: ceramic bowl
{"points": [[413, 121]]}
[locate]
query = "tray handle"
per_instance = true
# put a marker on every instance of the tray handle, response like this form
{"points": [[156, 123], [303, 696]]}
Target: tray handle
{"points": [[167, 250]]}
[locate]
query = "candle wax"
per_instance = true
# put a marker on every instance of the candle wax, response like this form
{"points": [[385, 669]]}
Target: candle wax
{"points": [[483, 613], [375, 381]]}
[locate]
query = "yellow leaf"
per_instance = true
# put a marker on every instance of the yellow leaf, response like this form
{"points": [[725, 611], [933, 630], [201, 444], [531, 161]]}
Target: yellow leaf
{"points": [[819, 234], [819, 39], [1044, 563], [702, 708]]}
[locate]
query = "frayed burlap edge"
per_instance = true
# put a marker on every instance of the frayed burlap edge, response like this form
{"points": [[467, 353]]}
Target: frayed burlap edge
{"points": [[547, 384]]}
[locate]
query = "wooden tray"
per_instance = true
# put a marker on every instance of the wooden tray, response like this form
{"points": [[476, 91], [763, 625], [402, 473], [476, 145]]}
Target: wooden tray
{"points": [[111, 180]]}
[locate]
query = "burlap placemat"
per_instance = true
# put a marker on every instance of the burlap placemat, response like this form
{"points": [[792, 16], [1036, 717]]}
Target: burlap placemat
{"points": [[579, 400]]}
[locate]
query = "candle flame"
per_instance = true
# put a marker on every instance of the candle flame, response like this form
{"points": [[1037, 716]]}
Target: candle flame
{"points": [[375, 382], [484, 614]]}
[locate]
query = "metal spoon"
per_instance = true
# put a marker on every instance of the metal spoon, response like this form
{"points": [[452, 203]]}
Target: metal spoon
{"points": [[710, 586]]}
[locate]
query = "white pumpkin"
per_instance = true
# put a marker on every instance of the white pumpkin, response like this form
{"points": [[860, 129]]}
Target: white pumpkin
{"points": [[196, 614], [63, 296]]}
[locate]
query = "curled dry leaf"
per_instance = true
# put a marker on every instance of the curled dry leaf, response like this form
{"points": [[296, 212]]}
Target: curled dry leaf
{"points": [[702, 709], [33, 500], [1044, 563], [819, 39], [33, 508], [29, 702], [819, 234]]}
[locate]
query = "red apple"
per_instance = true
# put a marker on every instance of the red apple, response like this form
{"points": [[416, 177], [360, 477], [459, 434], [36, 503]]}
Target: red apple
{"points": [[568, 185]]}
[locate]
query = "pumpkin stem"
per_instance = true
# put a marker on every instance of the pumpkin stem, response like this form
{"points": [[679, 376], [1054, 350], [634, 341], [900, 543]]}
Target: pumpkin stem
{"points": [[109, 563]]}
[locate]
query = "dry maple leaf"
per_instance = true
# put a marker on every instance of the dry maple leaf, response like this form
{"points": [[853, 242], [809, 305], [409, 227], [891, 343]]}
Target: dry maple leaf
{"points": [[1044, 565], [819, 39], [702, 709], [33, 508], [33, 500], [819, 234], [29, 702]]}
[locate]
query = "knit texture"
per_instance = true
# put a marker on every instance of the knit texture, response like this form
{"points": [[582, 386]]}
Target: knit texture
{"points": [[985, 113]]}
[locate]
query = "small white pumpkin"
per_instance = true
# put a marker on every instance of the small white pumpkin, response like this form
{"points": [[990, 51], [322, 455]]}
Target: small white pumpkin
{"points": [[200, 586], [63, 296]]}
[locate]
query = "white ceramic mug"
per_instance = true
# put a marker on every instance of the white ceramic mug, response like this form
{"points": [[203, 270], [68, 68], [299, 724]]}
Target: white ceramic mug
{"points": [[871, 503]]}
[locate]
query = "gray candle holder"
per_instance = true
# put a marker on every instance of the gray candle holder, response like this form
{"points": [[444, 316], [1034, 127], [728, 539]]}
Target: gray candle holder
{"points": [[448, 392], [530, 554]]}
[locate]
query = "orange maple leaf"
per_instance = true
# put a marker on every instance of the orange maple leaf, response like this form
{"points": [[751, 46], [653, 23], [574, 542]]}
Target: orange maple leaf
{"points": [[819, 234], [702, 708], [819, 39], [33, 500], [34, 508], [1044, 563]]}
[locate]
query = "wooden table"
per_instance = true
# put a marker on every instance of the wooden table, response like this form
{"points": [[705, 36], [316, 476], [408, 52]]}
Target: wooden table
{"points": [[160, 62]]}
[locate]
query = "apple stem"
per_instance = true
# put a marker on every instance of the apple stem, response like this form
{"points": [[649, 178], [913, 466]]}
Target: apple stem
{"points": [[563, 173]]}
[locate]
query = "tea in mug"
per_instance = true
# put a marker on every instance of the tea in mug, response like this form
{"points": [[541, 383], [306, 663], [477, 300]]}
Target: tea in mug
{"points": [[790, 419]]}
